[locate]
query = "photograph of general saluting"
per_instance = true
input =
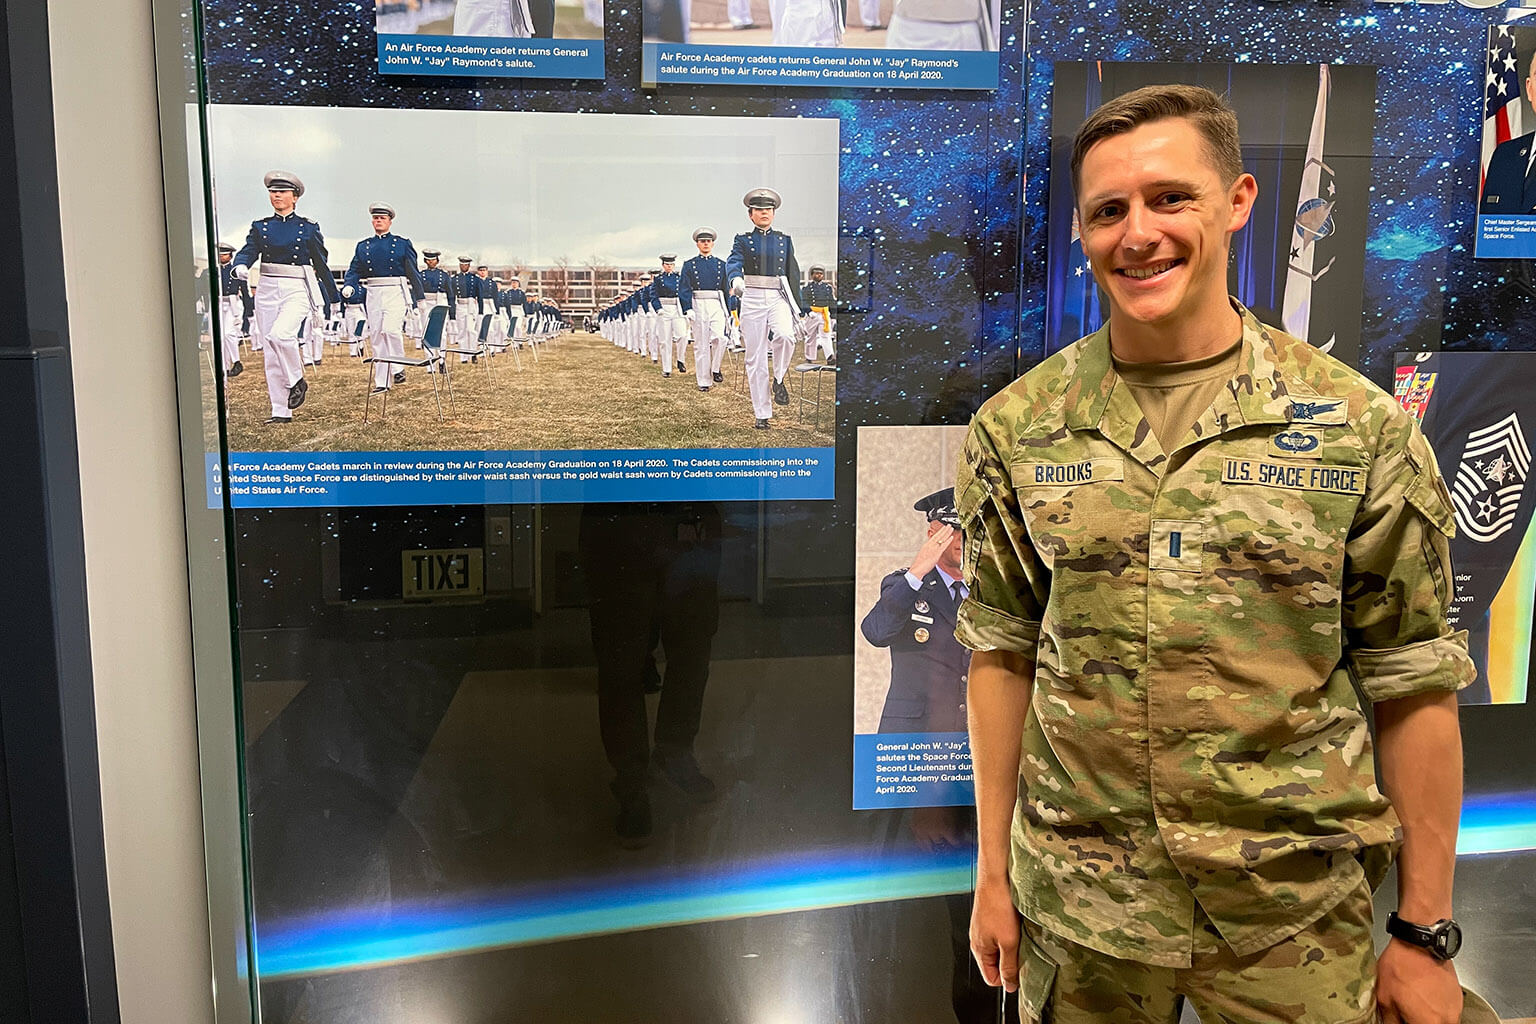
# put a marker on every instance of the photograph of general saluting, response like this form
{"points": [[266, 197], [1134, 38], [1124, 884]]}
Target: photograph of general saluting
{"points": [[574, 321]]}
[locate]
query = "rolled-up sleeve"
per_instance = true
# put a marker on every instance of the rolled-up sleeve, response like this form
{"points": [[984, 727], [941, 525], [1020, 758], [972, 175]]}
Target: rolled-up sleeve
{"points": [[1007, 582], [1398, 581]]}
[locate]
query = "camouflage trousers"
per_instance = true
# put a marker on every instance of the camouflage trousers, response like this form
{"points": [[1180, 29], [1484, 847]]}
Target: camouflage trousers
{"points": [[1324, 974]]}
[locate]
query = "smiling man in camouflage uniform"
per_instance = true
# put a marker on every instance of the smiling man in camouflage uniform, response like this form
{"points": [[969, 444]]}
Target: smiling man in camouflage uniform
{"points": [[1189, 538]]}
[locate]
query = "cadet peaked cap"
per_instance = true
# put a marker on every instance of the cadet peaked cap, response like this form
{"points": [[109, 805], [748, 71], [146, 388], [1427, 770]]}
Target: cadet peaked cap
{"points": [[382, 210], [762, 199], [817, 266], [466, 259], [704, 235], [940, 505], [226, 247], [668, 257], [431, 254], [275, 180]]}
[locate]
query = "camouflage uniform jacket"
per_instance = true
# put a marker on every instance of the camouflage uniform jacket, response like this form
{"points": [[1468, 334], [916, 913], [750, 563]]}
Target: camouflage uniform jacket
{"points": [[1195, 622]]}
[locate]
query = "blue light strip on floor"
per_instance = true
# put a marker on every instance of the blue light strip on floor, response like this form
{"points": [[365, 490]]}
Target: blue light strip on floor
{"points": [[381, 936], [377, 937]]}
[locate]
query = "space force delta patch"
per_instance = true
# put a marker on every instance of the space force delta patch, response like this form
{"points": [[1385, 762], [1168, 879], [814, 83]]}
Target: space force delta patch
{"points": [[1065, 474], [1291, 476]]}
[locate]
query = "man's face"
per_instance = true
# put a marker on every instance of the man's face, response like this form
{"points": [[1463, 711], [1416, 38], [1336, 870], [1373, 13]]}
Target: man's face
{"points": [[762, 216], [225, 257], [431, 262], [483, 272], [706, 246], [817, 275], [463, 267], [381, 222], [949, 561], [1156, 220], [1530, 82], [514, 283], [283, 200], [667, 267]]}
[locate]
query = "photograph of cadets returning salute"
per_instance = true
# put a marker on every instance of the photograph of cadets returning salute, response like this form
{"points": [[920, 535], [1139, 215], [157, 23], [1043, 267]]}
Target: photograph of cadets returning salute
{"points": [[293, 281], [490, 357], [886, 24], [1189, 537]]}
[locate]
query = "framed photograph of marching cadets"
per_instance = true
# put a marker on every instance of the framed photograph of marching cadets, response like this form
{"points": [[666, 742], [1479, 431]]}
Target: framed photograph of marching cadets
{"points": [[876, 44], [490, 38], [531, 333], [909, 732], [1307, 130], [1476, 410], [1506, 199]]}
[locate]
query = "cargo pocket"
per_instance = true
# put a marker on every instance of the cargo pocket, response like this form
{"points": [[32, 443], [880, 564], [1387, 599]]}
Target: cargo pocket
{"points": [[1037, 977]]}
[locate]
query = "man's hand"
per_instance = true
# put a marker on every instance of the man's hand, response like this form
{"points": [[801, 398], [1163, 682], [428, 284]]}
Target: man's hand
{"points": [[346, 291], [1413, 987], [738, 286], [933, 548], [242, 271], [995, 936]]}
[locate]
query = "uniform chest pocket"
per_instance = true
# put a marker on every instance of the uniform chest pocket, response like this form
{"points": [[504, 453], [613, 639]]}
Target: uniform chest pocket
{"points": [[1071, 508]]}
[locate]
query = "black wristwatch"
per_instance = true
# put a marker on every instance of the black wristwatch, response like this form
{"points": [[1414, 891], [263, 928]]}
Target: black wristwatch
{"points": [[1442, 939]]}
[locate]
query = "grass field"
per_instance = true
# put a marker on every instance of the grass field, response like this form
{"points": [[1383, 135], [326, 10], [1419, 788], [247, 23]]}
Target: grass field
{"points": [[582, 393]]}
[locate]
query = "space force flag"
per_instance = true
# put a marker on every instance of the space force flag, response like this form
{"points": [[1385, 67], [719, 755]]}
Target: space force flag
{"points": [[1314, 222]]}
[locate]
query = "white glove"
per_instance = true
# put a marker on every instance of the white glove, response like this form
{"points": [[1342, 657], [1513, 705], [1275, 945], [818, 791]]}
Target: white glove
{"points": [[738, 286], [346, 291], [242, 271]]}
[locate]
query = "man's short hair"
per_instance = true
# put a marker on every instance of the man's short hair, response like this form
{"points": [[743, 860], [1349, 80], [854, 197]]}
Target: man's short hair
{"points": [[1211, 115]]}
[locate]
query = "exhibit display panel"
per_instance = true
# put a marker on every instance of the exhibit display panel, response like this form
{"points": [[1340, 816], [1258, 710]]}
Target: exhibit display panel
{"points": [[557, 655]]}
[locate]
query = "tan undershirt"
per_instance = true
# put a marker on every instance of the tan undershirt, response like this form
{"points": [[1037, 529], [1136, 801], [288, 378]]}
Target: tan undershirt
{"points": [[1173, 396]]}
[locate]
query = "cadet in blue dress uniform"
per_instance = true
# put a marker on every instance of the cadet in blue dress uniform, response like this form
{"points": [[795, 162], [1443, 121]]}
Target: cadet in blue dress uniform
{"points": [[386, 265], [513, 297], [915, 618], [702, 286], [233, 295], [819, 297], [436, 286], [466, 286], [671, 326], [294, 281], [763, 272]]}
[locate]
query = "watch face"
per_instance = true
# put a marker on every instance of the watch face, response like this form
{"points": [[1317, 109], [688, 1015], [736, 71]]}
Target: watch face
{"points": [[1449, 939]]}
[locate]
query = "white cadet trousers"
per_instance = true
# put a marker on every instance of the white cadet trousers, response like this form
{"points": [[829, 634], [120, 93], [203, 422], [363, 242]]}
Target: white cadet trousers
{"points": [[739, 12], [424, 312], [709, 318], [466, 326], [484, 18], [869, 12], [823, 335], [282, 306], [804, 23], [765, 310], [673, 330], [912, 34], [386, 306], [231, 312]]}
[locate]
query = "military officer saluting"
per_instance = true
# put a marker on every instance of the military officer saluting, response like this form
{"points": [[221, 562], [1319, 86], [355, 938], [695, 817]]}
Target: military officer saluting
{"points": [[386, 265], [915, 618], [701, 292], [233, 294], [294, 281], [819, 296], [763, 273]]}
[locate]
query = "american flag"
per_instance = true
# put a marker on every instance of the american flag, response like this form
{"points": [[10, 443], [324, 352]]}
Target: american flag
{"points": [[1501, 107]]}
